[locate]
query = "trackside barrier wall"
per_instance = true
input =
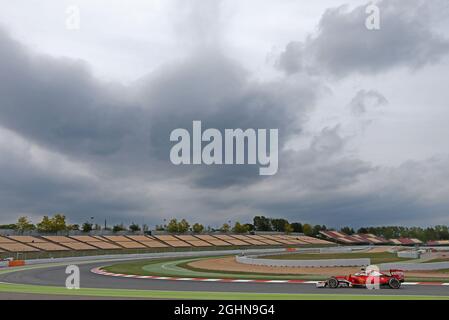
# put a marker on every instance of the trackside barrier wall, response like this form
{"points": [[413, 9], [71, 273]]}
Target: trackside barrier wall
{"points": [[154, 255], [343, 249], [304, 263], [409, 254], [16, 263], [415, 266]]}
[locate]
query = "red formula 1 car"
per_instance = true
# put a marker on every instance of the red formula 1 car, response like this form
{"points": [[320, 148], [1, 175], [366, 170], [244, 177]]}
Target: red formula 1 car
{"points": [[365, 279]]}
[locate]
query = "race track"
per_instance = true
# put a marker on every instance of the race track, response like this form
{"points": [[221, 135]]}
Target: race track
{"points": [[55, 276]]}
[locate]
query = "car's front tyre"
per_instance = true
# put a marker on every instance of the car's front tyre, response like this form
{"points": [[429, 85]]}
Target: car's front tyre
{"points": [[332, 283]]}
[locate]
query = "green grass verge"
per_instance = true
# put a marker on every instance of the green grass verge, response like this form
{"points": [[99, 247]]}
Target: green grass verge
{"points": [[376, 257]]}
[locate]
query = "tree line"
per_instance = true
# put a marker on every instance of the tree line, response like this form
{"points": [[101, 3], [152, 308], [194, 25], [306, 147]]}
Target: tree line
{"points": [[58, 223]]}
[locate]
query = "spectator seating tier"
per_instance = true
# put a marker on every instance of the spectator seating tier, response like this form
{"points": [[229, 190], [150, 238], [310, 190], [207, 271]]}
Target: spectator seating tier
{"points": [[249, 240], [172, 241], [148, 241], [194, 241], [69, 243], [231, 240], [14, 246], [265, 240], [39, 243], [95, 242], [124, 242], [274, 238], [212, 240]]}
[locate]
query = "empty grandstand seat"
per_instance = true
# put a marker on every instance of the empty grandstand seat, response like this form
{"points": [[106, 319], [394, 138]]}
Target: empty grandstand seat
{"points": [[268, 240], [343, 238], [172, 241], [27, 239], [278, 239], [213, 241], [231, 240], [312, 240], [14, 246], [125, 242], [39, 243], [95, 242], [148, 241], [249, 240], [193, 241], [70, 243]]}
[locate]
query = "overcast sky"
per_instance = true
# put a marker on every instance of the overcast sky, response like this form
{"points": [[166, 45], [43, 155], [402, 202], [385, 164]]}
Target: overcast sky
{"points": [[86, 114]]}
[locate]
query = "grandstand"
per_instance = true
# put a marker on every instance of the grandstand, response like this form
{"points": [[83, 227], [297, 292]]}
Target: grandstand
{"points": [[371, 238], [368, 238], [69, 243], [96, 242], [289, 240], [231, 240], [213, 241], [39, 243], [343, 238], [311, 240], [172, 241], [124, 242], [249, 240], [14, 246], [438, 243], [406, 241], [148, 241], [194, 241], [264, 240], [277, 239]]}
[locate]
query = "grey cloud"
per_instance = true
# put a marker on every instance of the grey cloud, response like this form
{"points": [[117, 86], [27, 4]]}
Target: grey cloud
{"points": [[216, 90], [36, 184], [365, 100], [343, 45], [58, 104]]}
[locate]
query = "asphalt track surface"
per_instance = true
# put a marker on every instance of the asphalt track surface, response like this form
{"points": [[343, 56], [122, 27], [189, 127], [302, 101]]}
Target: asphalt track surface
{"points": [[55, 276]]}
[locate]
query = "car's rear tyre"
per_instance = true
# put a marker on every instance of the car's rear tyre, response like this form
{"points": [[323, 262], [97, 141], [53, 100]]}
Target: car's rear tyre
{"points": [[332, 283], [394, 283]]}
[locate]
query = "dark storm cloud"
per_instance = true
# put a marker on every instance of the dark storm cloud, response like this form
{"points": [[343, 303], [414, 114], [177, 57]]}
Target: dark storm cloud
{"points": [[36, 182], [343, 45], [57, 103], [123, 133], [215, 90]]}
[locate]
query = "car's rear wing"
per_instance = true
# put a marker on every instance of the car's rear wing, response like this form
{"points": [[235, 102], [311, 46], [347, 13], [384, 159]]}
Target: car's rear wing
{"points": [[397, 273]]}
